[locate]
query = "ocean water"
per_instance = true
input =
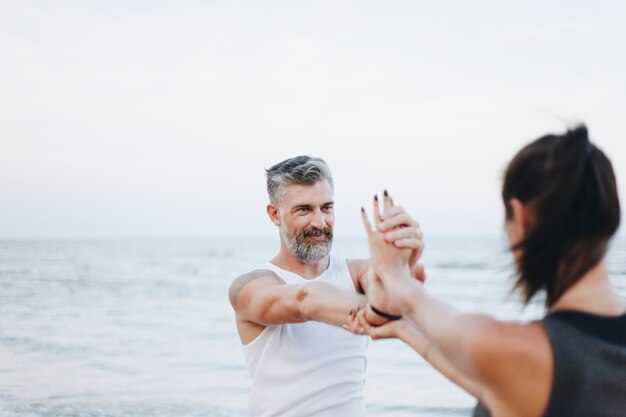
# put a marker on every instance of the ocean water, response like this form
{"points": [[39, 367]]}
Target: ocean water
{"points": [[144, 328]]}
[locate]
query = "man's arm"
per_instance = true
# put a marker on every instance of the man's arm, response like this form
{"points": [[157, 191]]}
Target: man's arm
{"points": [[262, 297], [357, 268]]}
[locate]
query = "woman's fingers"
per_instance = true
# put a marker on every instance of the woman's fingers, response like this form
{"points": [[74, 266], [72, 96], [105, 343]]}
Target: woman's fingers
{"points": [[377, 215], [386, 203], [358, 324], [375, 332], [403, 233], [366, 222], [393, 210], [397, 217], [353, 325], [363, 323], [410, 243]]}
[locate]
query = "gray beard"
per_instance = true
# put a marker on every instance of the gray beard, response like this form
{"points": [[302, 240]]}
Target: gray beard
{"points": [[306, 252]]}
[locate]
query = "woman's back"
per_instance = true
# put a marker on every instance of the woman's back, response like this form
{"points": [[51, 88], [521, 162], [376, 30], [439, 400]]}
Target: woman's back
{"points": [[589, 364], [589, 354]]}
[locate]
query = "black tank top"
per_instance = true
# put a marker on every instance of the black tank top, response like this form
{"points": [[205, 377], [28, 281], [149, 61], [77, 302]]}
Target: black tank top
{"points": [[589, 366]]}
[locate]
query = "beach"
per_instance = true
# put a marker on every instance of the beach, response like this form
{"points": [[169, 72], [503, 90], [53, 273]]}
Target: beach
{"points": [[144, 327]]}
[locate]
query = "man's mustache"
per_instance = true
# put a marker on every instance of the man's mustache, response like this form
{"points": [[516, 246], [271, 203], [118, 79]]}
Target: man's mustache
{"points": [[315, 232]]}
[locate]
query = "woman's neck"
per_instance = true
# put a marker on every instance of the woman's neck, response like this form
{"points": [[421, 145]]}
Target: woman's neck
{"points": [[593, 293]]}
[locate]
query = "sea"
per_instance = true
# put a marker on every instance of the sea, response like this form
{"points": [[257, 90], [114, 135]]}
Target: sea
{"points": [[121, 328]]}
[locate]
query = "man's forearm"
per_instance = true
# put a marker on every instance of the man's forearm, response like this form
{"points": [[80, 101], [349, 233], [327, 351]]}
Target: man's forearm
{"points": [[323, 302]]}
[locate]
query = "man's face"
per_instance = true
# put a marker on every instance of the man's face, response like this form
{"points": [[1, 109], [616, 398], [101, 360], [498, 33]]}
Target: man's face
{"points": [[307, 218]]}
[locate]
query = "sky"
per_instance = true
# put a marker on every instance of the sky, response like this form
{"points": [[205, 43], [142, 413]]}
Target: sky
{"points": [[155, 119]]}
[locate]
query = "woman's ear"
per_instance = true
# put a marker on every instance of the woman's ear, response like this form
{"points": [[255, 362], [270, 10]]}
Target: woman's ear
{"points": [[520, 221], [272, 212]]}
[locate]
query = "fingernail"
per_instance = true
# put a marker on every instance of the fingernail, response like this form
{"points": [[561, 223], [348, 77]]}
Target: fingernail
{"points": [[375, 197], [362, 210], [386, 193], [350, 313]]}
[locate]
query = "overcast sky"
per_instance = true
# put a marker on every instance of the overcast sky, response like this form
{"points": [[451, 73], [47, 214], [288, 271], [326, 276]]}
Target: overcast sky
{"points": [[157, 119]]}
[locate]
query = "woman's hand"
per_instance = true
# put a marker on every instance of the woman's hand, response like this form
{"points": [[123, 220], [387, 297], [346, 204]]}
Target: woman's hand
{"points": [[399, 228], [394, 221], [358, 324], [377, 296]]}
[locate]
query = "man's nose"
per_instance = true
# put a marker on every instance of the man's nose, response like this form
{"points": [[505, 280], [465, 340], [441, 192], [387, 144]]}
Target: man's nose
{"points": [[318, 220]]}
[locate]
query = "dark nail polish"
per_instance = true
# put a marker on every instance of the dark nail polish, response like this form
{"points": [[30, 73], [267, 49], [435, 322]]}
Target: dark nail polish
{"points": [[350, 313], [376, 197], [362, 210], [386, 193]]}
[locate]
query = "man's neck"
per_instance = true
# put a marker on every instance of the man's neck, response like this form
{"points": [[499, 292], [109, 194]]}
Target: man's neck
{"points": [[288, 262]]}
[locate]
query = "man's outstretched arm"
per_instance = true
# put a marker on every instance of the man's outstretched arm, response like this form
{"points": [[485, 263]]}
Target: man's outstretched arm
{"points": [[262, 297]]}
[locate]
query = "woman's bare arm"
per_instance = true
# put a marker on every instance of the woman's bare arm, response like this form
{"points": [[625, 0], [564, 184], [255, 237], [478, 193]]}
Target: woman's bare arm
{"points": [[406, 331]]}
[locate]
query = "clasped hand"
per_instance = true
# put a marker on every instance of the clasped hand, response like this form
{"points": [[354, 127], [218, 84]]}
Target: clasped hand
{"points": [[388, 261]]}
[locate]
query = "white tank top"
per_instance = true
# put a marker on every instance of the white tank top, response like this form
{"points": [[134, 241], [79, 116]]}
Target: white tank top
{"points": [[309, 369]]}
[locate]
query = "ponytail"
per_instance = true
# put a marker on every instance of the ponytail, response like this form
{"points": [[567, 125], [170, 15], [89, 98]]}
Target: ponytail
{"points": [[569, 186]]}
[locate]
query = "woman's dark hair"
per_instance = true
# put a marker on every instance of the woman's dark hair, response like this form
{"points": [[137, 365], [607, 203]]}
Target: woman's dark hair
{"points": [[569, 187]]}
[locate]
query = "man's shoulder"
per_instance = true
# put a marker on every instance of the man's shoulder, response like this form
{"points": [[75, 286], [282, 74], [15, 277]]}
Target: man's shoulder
{"points": [[242, 280]]}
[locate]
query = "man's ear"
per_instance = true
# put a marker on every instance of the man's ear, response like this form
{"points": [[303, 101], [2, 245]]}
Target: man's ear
{"points": [[272, 212]]}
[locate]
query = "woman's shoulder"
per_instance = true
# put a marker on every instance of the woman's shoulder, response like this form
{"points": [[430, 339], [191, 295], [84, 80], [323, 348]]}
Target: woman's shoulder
{"points": [[514, 362], [511, 344]]}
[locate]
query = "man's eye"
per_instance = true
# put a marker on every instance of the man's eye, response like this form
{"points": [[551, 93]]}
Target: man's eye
{"points": [[303, 209], [328, 208]]}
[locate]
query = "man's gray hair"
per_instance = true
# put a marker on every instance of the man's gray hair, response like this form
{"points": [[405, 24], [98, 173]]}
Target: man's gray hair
{"points": [[304, 170]]}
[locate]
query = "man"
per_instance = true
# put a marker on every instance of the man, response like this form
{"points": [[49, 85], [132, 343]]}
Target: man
{"points": [[287, 311]]}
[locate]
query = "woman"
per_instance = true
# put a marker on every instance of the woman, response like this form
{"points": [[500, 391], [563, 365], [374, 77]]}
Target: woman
{"points": [[561, 206]]}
